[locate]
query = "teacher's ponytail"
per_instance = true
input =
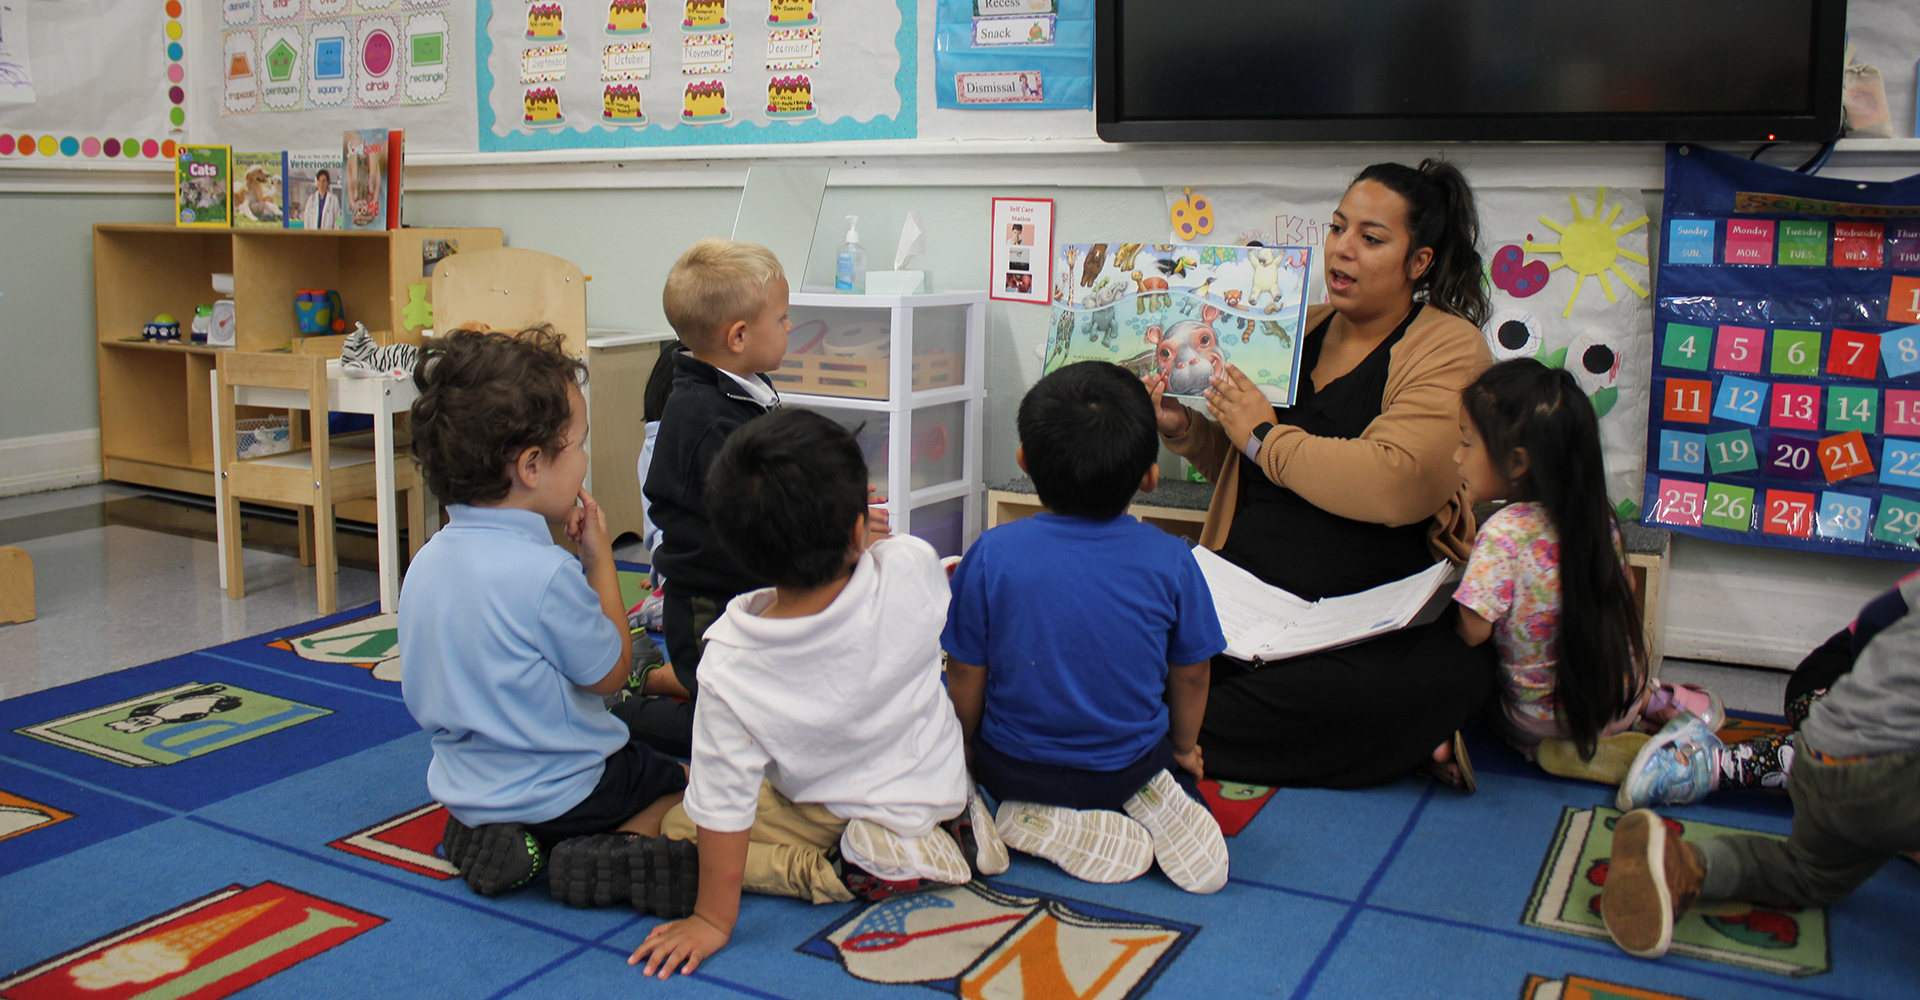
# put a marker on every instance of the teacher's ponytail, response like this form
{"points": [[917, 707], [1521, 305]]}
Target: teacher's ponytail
{"points": [[1441, 216]]}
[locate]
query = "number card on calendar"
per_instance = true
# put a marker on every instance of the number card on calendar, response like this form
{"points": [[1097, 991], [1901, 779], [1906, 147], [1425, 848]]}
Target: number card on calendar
{"points": [[1787, 359]]}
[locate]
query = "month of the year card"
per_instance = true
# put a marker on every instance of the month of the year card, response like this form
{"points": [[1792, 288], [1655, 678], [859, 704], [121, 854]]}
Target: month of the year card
{"points": [[1785, 409]]}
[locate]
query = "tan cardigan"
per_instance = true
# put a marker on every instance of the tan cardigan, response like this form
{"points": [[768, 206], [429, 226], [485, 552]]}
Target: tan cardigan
{"points": [[1398, 471]]}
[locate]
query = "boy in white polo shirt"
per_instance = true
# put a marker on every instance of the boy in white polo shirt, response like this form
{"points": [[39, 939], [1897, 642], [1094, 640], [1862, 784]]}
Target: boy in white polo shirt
{"points": [[826, 754], [509, 641]]}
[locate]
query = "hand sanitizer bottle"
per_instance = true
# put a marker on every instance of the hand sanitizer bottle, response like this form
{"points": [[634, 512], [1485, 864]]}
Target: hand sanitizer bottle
{"points": [[850, 268]]}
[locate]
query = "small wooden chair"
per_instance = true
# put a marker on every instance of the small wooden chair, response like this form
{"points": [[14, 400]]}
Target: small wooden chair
{"points": [[311, 478], [511, 288]]}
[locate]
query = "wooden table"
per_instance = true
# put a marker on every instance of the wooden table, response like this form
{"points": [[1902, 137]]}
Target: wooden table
{"points": [[382, 398]]}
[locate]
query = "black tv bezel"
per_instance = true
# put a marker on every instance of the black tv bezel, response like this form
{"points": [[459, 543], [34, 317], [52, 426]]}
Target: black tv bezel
{"points": [[1830, 26]]}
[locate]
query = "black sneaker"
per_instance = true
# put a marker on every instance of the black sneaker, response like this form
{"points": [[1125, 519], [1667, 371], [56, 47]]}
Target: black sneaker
{"points": [[653, 874], [495, 858]]}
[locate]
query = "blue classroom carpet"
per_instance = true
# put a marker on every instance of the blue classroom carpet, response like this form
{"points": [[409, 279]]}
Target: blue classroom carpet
{"points": [[253, 818]]}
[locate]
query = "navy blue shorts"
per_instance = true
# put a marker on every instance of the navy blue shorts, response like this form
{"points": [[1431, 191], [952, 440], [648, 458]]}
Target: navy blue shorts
{"points": [[1007, 777]]}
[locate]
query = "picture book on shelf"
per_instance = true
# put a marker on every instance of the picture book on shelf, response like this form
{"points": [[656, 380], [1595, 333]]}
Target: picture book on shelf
{"points": [[373, 165], [1185, 311], [201, 175], [259, 190], [314, 197]]}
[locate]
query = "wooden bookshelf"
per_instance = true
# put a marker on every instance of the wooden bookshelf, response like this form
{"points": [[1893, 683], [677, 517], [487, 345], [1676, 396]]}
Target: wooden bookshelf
{"points": [[156, 424]]}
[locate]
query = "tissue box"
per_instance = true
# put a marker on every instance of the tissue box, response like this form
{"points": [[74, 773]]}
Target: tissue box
{"points": [[896, 282]]}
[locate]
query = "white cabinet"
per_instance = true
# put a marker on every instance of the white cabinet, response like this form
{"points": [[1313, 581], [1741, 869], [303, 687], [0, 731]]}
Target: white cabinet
{"points": [[907, 374]]}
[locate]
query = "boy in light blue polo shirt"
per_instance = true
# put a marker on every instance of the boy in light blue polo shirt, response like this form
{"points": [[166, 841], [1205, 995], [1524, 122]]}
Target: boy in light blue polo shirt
{"points": [[509, 641]]}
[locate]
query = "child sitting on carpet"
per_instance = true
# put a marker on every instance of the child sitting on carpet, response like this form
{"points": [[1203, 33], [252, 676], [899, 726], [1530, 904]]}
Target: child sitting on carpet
{"points": [[1855, 787], [1081, 644], [825, 754], [509, 641], [1547, 581]]}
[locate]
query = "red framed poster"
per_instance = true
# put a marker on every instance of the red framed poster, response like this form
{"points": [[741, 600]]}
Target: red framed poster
{"points": [[1020, 247]]}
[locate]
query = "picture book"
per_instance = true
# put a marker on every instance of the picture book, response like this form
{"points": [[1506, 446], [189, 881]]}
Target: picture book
{"points": [[1185, 311], [371, 183], [201, 175], [314, 196], [396, 173], [260, 190], [1264, 623]]}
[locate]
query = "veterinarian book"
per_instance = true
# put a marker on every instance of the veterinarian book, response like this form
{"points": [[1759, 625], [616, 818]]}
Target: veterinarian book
{"points": [[201, 177], [307, 206], [259, 190], [1182, 310]]}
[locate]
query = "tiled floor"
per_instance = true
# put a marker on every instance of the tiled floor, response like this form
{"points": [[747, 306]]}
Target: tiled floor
{"points": [[125, 576]]}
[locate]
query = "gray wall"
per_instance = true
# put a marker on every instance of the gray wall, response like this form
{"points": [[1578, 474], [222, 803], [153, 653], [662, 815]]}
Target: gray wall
{"points": [[47, 377]]}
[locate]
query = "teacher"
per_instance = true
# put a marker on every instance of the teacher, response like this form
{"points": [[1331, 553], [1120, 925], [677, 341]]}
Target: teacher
{"points": [[1351, 487]]}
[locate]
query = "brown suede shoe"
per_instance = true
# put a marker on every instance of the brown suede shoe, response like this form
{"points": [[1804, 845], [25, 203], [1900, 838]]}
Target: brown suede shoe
{"points": [[1652, 878]]}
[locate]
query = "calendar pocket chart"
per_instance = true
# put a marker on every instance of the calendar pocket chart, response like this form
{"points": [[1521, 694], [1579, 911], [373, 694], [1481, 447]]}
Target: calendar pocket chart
{"points": [[1786, 361]]}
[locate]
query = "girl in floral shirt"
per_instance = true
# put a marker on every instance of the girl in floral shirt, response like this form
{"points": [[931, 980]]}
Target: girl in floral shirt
{"points": [[1546, 579]]}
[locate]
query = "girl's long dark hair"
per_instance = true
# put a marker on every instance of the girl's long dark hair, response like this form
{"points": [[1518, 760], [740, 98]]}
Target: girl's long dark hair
{"points": [[653, 402], [1525, 404], [1441, 215]]}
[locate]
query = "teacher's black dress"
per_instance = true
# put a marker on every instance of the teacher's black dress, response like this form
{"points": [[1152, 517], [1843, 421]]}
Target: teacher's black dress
{"points": [[1361, 714]]}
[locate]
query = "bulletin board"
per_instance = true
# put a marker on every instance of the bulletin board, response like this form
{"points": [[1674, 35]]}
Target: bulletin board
{"points": [[296, 74], [568, 74], [1787, 357], [108, 80]]}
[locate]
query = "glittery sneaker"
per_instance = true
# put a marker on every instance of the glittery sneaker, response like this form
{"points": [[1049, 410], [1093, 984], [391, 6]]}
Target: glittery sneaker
{"points": [[494, 858], [1679, 765], [1668, 701]]}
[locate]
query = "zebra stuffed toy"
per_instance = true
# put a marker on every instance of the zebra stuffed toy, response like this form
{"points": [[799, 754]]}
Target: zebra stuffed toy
{"points": [[359, 356]]}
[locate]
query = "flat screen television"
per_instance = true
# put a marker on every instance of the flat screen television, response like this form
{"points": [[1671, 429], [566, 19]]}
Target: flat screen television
{"points": [[1468, 70]]}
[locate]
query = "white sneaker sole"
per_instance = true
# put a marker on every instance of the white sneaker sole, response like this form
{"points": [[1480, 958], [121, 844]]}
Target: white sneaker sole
{"points": [[883, 853], [990, 852], [1186, 838], [1092, 845]]}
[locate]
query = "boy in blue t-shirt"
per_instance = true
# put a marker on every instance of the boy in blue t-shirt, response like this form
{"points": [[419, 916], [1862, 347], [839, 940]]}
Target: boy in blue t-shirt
{"points": [[510, 642], [1079, 643]]}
